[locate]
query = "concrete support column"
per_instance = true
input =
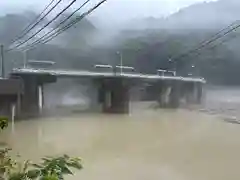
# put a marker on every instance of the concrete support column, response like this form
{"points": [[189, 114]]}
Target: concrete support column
{"points": [[6, 106], [169, 94], [163, 95], [120, 98], [93, 92], [5, 103], [40, 98], [32, 100], [194, 93], [107, 101], [189, 93], [175, 95], [198, 93], [114, 95]]}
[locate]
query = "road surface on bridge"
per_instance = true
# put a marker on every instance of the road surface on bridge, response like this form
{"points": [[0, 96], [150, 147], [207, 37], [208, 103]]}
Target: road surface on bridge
{"points": [[83, 73]]}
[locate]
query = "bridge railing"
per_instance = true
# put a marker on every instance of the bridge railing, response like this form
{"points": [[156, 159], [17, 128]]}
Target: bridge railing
{"points": [[114, 69], [163, 72]]}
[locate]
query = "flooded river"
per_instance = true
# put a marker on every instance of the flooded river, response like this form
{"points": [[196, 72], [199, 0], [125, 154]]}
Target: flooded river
{"points": [[149, 144]]}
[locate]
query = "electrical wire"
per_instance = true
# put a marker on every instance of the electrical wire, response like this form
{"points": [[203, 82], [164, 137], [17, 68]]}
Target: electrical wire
{"points": [[68, 6], [27, 30], [213, 38], [60, 31], [59, 25]]}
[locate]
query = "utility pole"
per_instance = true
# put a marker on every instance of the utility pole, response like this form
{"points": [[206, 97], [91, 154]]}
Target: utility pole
{"points": [[121, 62], [25, 59], [2, 61], [121, 58]]}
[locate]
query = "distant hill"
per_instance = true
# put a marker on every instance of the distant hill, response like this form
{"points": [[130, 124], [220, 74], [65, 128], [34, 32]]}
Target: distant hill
{"points": [[66, 50], [149, 43], [206, 15]]}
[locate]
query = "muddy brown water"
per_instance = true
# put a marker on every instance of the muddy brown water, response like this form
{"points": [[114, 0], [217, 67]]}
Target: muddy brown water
{"points": [[148, 144]]}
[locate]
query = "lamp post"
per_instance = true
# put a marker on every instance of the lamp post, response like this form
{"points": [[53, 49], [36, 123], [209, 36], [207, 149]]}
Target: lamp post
{"points": [[121, 61], [2, 61], [25, 59], [174, 65], [193, 69]]}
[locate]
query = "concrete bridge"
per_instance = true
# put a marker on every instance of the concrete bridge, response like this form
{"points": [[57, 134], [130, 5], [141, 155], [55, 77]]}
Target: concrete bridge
{"points": [[27, 89]]}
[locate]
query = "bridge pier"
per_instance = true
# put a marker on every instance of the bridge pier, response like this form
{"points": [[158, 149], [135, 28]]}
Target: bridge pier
{"points": [[199, 92], [10, 92], [31, 102], [194, 92], [175, 95], [170, 95], [114, 96], [6, 102]]}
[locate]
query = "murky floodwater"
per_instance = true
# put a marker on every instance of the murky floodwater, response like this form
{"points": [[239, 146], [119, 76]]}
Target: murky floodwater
{"points": [[148, 144]]}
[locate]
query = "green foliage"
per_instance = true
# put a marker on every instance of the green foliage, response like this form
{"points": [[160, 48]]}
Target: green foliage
{"points": [[3, 122], [51, 168]]}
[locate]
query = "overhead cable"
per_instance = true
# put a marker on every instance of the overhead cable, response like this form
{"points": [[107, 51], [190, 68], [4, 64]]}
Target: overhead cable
{"points": [[32, 25], [51, 21], [63, 29], [59, 25], [213, 38]]}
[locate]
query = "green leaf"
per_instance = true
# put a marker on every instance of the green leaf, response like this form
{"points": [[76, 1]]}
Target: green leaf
{"points": [[76, 165], [33, 174], [47, 159], [49, 177], [25, 166], [3, 122], [66, 170], [37, 166], [17, 176]]}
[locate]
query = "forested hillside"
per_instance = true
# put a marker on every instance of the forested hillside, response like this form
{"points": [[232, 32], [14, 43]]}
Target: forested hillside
{"points": [[147, 48], [70, 49], [164, 39]]}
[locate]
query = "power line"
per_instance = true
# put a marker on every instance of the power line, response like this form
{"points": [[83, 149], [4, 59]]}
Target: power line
{"points": [[57, 33], [59, 25], [219, 44], [27, 30], [224, 41], [216, 45], [213, 38], [68, 6]]}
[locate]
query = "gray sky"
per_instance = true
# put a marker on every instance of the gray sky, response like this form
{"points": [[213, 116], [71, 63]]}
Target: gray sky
{"points": [[114, 10], [138, 7]]}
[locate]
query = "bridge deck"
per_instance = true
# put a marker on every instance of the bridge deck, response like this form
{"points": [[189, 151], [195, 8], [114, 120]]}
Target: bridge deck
{"points": [[71, 73]]}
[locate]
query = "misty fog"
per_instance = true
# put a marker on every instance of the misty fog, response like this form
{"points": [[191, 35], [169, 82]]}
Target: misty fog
{"points": [[150, 139], [147, 33]]}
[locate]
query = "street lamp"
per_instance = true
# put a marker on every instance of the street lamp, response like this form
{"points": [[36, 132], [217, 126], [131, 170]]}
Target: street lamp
{"points": [[161, 72], [25, 58], [121, 61], [193, 70]]}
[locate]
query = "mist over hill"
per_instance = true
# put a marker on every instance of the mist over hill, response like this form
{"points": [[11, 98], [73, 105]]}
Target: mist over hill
{"points": [[147, 43]]}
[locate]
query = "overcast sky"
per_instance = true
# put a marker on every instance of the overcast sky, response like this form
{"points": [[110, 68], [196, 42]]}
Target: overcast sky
{"points": [[115, 10], [138, 7]]}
